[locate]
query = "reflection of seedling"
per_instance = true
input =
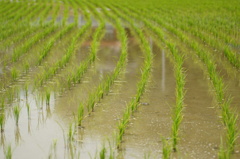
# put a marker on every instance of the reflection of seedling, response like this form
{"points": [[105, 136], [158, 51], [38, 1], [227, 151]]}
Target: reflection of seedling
{"points": [[26, 89], [71, 132], [53, 149], [102, 154], [147, 155], [8, 152], [16, 113]]}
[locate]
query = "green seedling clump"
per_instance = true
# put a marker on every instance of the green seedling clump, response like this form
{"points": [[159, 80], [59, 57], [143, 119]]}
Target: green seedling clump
{"points": [[2, 121], [80, 114], [16, 113]]}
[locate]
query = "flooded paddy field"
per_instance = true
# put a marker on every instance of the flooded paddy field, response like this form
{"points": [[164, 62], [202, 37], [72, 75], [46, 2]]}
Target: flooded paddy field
{"points": [[99, 79]]}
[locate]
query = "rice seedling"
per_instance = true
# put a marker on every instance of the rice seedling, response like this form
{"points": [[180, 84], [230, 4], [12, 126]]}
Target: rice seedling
{"points": [[65, 15], [207, 38], [219, 89], [180, 82], [44, 14], [26, 67], [65, 59], [2, 121], [14, 73], [19, 23], [48, 96], [28, 110], [16, 113], [28, 25], [71, 132], [82, 68], [80, 114], [2, 104], [28, 44], [132, 105], [8, 42], [223, 153], [91, 103], [51, 42], [166, 149]]}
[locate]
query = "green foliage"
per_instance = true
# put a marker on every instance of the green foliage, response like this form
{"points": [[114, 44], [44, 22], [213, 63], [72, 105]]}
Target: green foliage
{"points": [[14, 73], [71, 132], [166, 149], [28, 44], [80, 114], [16, 113], [2, 121], [48, 96], [28, 110], [24, 24]]}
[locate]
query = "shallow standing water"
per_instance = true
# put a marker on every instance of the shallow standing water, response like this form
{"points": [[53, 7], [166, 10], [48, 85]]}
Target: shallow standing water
{"points": [[44, 131]]}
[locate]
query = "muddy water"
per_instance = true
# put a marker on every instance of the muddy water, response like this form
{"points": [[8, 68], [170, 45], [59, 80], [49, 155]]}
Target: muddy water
{"points": [[207, 116], [152, 121], [230, 76], [101, 125], [201, 128], [35, 132], [94, 75], [50, 123]]}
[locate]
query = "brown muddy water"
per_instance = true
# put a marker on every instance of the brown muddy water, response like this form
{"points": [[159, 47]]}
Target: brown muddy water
{"points": [[43, 133]]}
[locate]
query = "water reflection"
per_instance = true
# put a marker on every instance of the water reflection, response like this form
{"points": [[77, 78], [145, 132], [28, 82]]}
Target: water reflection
{"points": [[29, 126], [3, 139], [109, 50], [17, 135], [40, 118], [1, 71], [48, 112], [70, 19]]}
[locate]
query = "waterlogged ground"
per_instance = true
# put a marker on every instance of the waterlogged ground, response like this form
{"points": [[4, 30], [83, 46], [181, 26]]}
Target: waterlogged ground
{"points": [[44, 129]]}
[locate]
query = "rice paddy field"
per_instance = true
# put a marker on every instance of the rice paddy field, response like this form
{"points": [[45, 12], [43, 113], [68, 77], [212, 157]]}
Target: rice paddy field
{"points": [[120, 79]]}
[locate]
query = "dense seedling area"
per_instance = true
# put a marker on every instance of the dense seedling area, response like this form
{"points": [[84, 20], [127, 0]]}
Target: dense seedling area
{"points": [[119, 79]]}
